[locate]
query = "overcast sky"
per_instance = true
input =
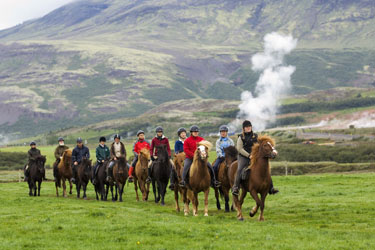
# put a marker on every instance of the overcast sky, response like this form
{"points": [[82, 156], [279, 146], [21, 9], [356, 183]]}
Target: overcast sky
{"points": [[13, 12]]}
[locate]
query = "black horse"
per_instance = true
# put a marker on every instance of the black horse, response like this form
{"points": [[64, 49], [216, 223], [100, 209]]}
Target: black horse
{"points": [[161, 170], [36, 172], [84, 176], [101, 183]]}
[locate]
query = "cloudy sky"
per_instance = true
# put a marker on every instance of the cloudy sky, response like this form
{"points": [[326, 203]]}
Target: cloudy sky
{"points": [[13, 12]]}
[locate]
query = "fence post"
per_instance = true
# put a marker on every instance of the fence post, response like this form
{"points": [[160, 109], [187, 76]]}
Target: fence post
{"points": [[19, 176], [286, 168]]}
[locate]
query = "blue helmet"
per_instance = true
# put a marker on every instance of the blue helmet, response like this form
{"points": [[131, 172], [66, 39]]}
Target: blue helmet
{"points": [[79, 140]]}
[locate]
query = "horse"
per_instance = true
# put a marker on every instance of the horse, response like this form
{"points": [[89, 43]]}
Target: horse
{"points": [[120, 175], [36, 170], [161, 171], [141, 173], [178, 162], [84, 176], [259, 180], [101, 186], [64, 172], [223, 176], [199, 179]]}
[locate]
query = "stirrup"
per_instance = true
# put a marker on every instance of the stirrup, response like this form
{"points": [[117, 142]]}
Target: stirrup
{"points": [[182, 184], [217, 184], [235, 191], [130, 179], [273, 191], [148, 180], [171, 186]]}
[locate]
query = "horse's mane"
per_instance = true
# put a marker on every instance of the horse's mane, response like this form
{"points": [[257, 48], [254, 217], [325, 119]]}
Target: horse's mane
{"points": [[67, 153], [255, 151], [205, 143], [231, 151], [145, 151]]}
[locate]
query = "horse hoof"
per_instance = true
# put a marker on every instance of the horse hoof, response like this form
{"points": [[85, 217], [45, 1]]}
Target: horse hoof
{"points": [[186, 214], [251, 214], [163, 204], [195, 214], [240, 219], [206, 214], [261, 219], [226, 211], [85, 198]]}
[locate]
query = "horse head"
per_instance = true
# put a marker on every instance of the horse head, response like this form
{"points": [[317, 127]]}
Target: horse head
{"points": [[145, 153], [121, 164], [162, 152], [267, 147], [230, 154], [40, 161], [202, 150], [179, 162]]}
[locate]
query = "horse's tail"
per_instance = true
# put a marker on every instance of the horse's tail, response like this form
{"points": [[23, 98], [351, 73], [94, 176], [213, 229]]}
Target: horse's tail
{"points": [[221, 193], [58, 181]]}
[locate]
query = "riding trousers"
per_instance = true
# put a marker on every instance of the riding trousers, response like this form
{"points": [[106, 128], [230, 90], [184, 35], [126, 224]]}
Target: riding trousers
{"points": [[217, 164], [243, 162], [187, 165]]}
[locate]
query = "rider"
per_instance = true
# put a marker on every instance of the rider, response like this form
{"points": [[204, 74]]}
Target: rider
{"points": [[159, 139], [138, 145], [33, 153], [102, 154], [117, 150], [245, 142], [223, 142], [78, 153], [178, 148], [59, 151], [190, 145]]}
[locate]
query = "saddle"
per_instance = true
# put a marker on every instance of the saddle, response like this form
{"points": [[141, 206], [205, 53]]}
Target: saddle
{"points": [[245, 174]]}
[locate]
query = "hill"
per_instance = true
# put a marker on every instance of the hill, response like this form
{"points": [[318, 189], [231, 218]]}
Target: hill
{"points": [[92, 61]]}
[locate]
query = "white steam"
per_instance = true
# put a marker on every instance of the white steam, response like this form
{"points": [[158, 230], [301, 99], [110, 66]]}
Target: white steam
{"points": [[273, 83]]}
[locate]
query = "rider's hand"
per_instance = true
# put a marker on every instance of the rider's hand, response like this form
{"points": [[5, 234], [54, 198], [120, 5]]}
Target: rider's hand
{"points": [[115, 159], [250, 157], [60, 157], [75, 163], [102, 160]]}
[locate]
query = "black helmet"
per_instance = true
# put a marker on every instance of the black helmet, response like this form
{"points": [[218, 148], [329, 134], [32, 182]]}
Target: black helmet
{"points": [[102, 139], [159, 129], [79, 139], [180, 130], [60, 139], [223, 128], [194, 128], [32, 143], [140, 132], [246, 123], [117, 136]]}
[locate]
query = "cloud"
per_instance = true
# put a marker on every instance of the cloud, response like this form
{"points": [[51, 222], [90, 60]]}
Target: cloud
{"points": [[13, 12]]}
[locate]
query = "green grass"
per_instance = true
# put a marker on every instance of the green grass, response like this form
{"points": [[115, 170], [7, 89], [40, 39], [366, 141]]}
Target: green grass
{"points": [[310, 212]]}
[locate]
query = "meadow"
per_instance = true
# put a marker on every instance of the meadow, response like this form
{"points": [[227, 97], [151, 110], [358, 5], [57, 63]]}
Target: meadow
{"points": [[328, 211]]}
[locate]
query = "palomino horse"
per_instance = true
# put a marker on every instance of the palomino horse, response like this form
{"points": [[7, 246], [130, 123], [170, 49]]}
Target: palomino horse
{"points": [[141, 173], [260, 176], [161, 170], [199, 179], [84, 176], [179, 167], [64, 172], [120, 174], [36, 170], [223, 176]]}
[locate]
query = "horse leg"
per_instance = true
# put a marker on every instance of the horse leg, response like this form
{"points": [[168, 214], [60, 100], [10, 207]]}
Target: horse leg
{"points": [[263, 199], [163, 190], [226, 198], [57, 189], [78, 187], [205, 201], [185, 200], [30, 189], [71, 186], [195, 204], [34, 186], [154, 190], [64, 188], [176, 198], [238, 204], [39, 184], [254, 210], [217, 199], [158, 189], [136, 189], [147, 190], [84, 186], [120, 190]]}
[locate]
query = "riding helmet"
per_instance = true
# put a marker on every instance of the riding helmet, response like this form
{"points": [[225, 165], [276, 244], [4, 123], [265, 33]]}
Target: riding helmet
{"points": [[102, 139], [60, 139], [117, 136], [159, 129], [246, 123], [180, 130], [79, 139], [140, 132], [194, 128], [223, 128], [32, 143]]}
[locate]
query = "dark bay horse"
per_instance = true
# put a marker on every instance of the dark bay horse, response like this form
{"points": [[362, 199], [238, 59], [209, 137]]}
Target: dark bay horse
{"points": [[141, 173], [223, 176], [161, 170], [101, 186], [199, 179], [259, 180], [36, 170], [120, 175], [64, 172], [179, 167], [84, 176]]}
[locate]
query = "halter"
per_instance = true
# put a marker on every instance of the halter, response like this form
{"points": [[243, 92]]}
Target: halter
{"points": [[203, 151], [274, 151]]}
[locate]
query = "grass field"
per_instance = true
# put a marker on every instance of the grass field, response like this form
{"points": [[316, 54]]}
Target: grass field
{"points": [[330, 211]]}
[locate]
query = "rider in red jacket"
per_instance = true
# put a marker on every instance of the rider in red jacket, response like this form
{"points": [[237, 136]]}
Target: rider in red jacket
{"points": [[138, 145], [190, 145]]}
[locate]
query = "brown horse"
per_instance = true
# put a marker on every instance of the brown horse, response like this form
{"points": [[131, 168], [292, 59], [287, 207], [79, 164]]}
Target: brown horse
{"points": [[84, 176], [223, 176], [120, 174], [260, 176], [36, 170], [101, 186], [64, 172], [141, 173], [199, 179], [179, 167]]}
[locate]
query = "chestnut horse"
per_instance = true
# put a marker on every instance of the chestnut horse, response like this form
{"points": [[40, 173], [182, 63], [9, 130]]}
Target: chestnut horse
{"points": [[36, 170], [223, 176], [161, 171], [64, 172], [141, 173], [83, 177], [120, 175], [178, 162], [259, 181], [199, 179]]}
